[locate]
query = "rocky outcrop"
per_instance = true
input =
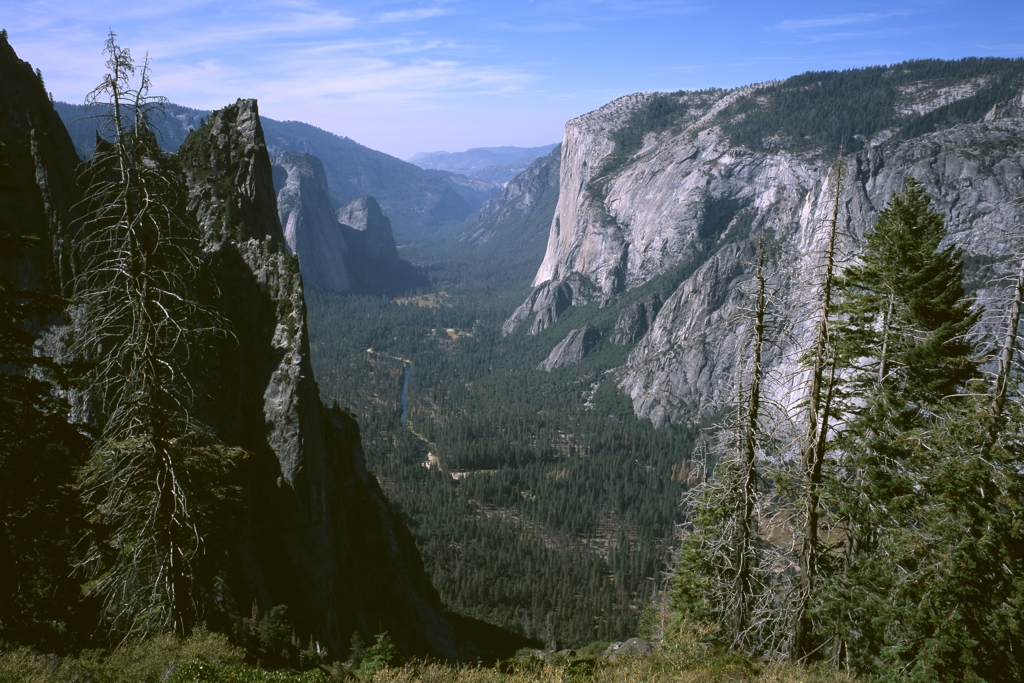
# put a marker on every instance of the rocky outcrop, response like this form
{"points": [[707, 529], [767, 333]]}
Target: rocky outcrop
{"points": [[310, 228], [364, 217], [372, 256], [369, 232], [634, 321], [634, 647], [549, 301], [686, 204], [233, 190], [351, 250], [38, 182], [1007, 110], [572, 349], [321, 537]]}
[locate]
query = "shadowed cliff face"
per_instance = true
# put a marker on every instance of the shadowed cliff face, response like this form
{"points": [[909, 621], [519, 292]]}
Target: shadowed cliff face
{"points": [[310, 229], [321, 537], [38, 180], [687, 199]]}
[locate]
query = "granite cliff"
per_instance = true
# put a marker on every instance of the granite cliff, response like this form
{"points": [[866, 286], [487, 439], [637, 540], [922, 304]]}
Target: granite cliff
{"points": [[321, 536], [351, 250], [38, 181], [672, 189]]}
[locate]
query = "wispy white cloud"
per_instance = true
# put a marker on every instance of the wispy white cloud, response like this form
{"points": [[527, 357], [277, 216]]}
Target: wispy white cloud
{"points": [[412, 14], [835, 20], [395, 70], [673, 8], [541, 27]]}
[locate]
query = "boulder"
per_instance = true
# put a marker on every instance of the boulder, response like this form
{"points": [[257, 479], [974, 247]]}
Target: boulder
{"points": [[634, 647]]}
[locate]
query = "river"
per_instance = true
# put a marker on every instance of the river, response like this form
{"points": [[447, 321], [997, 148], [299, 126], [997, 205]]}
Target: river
{"points": [[406, 374]]}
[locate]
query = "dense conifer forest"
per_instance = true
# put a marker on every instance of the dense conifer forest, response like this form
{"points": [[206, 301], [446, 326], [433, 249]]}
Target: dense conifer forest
{"points": [[834, 110], [548, 507]]}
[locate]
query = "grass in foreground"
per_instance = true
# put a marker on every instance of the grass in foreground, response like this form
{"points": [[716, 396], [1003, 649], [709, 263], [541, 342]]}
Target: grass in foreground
{"points": [[209, 658]]}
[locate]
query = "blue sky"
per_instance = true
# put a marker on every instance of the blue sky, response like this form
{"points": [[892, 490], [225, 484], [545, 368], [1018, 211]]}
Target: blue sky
{"points": [[406, 77]]}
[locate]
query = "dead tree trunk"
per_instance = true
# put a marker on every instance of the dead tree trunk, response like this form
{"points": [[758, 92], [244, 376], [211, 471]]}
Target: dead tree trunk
{"points": [[1006, 353], [743, 588], [813, 445]]}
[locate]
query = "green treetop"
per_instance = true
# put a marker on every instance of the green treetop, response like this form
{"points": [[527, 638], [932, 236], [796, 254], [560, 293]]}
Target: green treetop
{"points": [[906, 320]]}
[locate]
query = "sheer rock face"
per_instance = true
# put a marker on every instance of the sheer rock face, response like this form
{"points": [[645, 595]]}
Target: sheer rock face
{"points": [[635, 320], [572, 349], [690, 200], [310, 228], [373, 257], [372, 236], [38, 180], [351, 250], [321, 537]]}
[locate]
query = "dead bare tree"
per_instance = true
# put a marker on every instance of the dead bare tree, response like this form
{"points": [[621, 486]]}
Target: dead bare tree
{"points": [[1006, 354], [721, 540], [138, 320], [815, 440]]}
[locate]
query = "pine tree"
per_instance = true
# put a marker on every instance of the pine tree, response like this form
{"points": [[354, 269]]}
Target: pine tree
{"points": [[904, 347], [961, 615], [906, 322]]}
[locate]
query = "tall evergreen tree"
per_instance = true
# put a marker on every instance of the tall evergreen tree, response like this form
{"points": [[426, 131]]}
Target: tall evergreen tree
{"points": [[904, 346], [906, 322]]}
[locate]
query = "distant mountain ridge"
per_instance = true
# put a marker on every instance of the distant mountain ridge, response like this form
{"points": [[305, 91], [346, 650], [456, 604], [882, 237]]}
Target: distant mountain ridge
{"points": [[496, 165], [518, 219], [418, 201]]}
